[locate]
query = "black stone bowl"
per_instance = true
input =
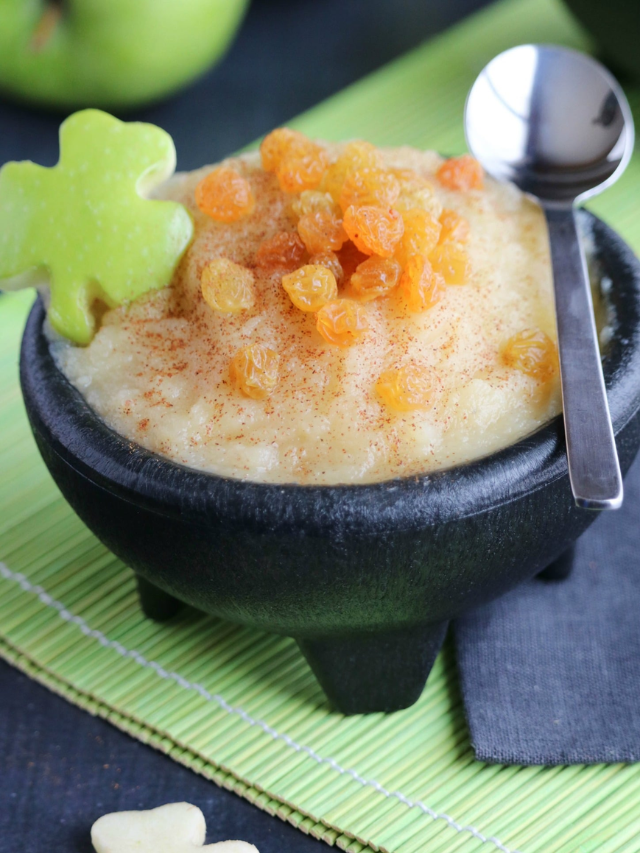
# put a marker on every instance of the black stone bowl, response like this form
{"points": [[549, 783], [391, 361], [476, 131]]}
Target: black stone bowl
{"points": [[365, 577]]}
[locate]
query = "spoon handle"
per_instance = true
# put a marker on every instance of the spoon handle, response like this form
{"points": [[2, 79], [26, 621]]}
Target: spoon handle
{"points": [[594, 470]]}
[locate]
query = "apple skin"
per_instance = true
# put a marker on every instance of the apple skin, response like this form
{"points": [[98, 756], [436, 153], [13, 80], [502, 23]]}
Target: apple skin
{"points": [[111, 53]]}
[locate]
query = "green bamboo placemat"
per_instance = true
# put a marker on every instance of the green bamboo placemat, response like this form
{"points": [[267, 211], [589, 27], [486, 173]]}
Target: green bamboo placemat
{"points": [[242, 708]]}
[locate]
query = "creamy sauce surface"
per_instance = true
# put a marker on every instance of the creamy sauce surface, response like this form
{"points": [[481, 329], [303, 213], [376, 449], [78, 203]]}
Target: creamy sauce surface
{"points": [[157, 371]]}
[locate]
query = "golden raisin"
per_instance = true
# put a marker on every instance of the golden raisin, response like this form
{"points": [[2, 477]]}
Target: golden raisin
{"points": [[461, 173], [298, 162], [276, 145], [406, 388], [416, 192], [421, 232], [355, 155], [225, 195], [331, 261], [452, 262], [359, 154], [283, 251], [311, 201], [369, 186], [455, 228], [311, 287], [374, 230], [375, 277], [226, 286], [342, 322], [333, 179], [321, 231], [255, 370], [421, 287], [407, 176], [532, 352], [302, 167]]}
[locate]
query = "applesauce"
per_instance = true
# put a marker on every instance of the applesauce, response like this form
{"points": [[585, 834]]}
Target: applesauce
{"points": [[166, 371]]}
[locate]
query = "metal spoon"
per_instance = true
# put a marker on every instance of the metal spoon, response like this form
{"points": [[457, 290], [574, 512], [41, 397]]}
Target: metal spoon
{"points": [[556, 124]]}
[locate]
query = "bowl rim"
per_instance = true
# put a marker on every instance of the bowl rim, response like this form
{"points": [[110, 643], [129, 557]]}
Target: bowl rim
{"points": [[64, 422]]}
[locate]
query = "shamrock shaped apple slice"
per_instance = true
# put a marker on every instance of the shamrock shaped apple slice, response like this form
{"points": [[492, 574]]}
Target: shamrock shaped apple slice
{"points": [[85, 226], [174, 828]]}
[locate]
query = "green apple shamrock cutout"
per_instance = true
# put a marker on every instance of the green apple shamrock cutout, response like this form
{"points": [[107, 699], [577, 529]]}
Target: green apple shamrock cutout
{"points": [[85, 226]]}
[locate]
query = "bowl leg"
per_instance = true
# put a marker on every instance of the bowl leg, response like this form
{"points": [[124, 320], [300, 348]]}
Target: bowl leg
{"points": [[155, 602], [384, 671], [560, 569]]}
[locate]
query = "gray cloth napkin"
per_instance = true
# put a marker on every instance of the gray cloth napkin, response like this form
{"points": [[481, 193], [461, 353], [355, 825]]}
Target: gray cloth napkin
{"points": [[550, 673]]}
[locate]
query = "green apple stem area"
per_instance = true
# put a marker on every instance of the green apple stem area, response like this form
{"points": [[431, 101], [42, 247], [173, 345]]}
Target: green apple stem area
{"points": [[109, 53], [51, 15]]}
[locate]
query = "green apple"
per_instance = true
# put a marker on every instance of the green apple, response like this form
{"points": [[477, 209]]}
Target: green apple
{"points": [[109, 53]]}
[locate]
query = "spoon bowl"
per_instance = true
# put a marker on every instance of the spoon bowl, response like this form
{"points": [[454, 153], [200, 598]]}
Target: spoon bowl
{"points": [[552, 121]]}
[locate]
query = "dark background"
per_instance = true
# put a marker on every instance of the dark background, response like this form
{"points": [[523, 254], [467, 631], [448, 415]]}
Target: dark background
{"points": [[60, 769]]}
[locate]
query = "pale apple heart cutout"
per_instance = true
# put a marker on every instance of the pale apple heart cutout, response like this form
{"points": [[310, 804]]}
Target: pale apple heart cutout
{"points": [[174, 828], [85, 227]]}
